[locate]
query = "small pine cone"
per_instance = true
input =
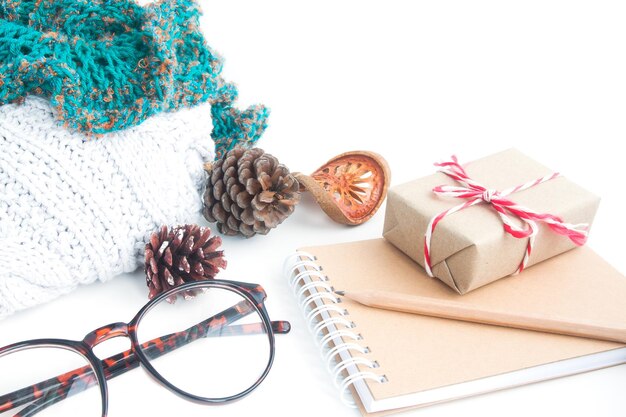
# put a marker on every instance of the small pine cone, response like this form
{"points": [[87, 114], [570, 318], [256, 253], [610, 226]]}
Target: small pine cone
{"points": [[249, 192], [183, 254]]}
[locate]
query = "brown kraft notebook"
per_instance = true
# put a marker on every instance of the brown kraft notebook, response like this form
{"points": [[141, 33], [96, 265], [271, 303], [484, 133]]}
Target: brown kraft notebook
{"points": [[393, 360]]}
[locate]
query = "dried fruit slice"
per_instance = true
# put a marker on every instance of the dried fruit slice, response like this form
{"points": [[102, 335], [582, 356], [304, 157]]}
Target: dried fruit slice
{"points": [[350, 187]]}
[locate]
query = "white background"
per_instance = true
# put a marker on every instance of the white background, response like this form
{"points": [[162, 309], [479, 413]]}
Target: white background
{"points": [[416, 82]]}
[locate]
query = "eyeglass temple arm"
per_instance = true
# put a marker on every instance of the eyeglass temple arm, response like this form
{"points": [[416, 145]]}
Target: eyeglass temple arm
{"points": [[56, 389]]}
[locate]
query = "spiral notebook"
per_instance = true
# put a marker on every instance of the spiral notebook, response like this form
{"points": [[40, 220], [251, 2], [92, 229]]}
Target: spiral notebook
{"points": [[391, 360]]}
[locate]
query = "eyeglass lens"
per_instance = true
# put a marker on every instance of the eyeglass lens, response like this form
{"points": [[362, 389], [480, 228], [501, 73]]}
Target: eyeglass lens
{"points": [[218, 342], [48, 381]]}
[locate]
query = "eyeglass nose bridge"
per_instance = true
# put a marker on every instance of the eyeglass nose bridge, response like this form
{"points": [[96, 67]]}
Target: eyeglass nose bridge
{"points": [[104, 333]]}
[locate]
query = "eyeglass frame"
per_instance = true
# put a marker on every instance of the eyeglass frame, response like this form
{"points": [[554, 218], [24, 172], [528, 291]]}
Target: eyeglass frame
{"points": [[108, 368]]}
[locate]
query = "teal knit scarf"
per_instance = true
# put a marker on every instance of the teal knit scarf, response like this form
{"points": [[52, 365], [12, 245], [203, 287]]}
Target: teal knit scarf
{"points": [[106, 65]]}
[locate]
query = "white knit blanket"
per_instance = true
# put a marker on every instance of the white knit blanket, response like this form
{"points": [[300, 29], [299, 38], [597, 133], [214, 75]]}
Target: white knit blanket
{"points": [[74, 210]]}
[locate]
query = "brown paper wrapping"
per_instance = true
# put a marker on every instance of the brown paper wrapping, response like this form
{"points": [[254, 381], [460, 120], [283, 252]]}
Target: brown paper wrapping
{"points": [[470, 248]]}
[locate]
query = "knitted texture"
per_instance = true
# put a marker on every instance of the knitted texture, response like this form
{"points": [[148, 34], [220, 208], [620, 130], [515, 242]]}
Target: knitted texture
{"points": [[107, 65], [73, 211]]}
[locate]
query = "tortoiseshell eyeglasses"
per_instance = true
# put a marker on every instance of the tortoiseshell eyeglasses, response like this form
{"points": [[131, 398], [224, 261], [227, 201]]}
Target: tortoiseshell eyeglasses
{"points": [[216, 344]]}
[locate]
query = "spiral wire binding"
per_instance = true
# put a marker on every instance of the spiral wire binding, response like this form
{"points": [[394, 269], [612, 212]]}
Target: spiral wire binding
{"points": [[311, 288], [325, 308], [324, 343], [298, 278], [329, 356], [324, 324], [308, 286], [343, 365]]}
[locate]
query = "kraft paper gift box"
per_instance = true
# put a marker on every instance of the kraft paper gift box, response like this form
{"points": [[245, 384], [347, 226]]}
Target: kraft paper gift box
{"points": [[470, 248]]}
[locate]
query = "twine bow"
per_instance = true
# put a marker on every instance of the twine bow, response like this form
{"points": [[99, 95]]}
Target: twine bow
{"points": [[506, 209]]}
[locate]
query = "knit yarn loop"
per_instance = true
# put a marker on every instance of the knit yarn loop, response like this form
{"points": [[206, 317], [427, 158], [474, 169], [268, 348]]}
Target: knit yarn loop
{"points": [[106, 65]]}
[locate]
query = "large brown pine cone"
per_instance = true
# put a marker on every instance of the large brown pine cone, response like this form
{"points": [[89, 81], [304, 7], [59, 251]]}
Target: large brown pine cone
{"points": [[183, 254], [249, 192]]}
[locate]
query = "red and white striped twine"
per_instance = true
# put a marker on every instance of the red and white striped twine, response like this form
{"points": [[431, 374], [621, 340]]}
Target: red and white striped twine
{"points": [[506, 209]]}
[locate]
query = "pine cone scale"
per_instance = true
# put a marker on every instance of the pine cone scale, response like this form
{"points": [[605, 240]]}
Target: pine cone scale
{"points": [[217, 213], [218, 189], [286, 204], [232, 223], [183, 265], [167, 257], [226, 202], [253, 186], [247, 217], [212, 244], [204, 238], [167, 277], [267, 196]]}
